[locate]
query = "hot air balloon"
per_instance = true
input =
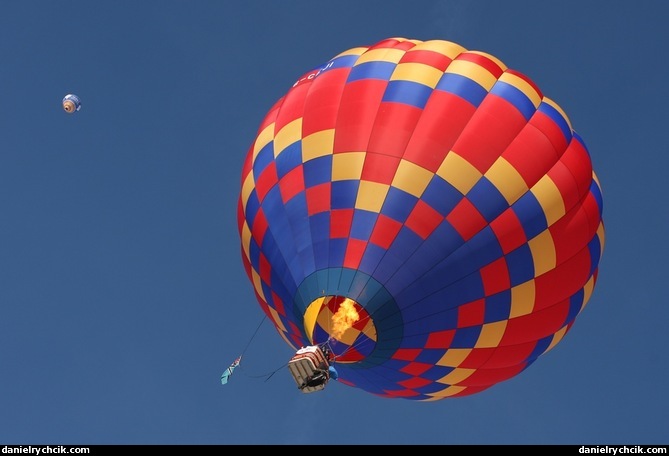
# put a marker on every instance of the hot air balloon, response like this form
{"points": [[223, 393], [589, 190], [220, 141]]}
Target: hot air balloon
{"points": [[425, 211], [71, 103]]}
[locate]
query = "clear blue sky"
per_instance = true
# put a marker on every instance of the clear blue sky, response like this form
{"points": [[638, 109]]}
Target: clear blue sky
{"points": [[122, 291]]}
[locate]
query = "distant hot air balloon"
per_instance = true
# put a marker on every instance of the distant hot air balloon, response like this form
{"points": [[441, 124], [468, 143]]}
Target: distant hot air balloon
{"points": [[71, 103], [426, 211]]}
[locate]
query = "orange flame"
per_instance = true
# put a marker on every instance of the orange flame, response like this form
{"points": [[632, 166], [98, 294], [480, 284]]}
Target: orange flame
{"points": [[344, 318]]}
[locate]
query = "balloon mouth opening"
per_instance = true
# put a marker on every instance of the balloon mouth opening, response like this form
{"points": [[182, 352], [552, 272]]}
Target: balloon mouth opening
{"points": [[68, 106], [342, 323]]}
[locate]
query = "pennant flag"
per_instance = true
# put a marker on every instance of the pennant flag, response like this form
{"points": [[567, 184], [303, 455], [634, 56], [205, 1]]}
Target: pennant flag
{"points": [[228, 371]]}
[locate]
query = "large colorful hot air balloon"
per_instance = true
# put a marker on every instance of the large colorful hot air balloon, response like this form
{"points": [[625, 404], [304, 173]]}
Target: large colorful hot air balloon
{"points": [[425, 210], [71, 103]]}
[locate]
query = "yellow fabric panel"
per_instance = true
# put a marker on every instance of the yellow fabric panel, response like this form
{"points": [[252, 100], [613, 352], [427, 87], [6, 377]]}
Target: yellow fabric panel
{"points": [[257, 284], [556, 338], [247, 188], [456, 376], [523, 86], [411, 178], [474, 72], [446, 392], [458, 172], [369, 330], [417, 72], [543, 252], [507, 180], [381, 55], [447, 48], [454, 357], [311, 316], [491, 334], [353, 51], [347, 166], [317, 145], [324, 317], [550, 199], [596, 179], [246, 239], [522, 299], [588, 288], [264, 137], [601, 235], [289, 134], [371, 196]]}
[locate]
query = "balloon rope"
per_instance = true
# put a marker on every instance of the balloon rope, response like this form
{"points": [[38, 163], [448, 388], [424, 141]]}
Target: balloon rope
{"points": [[255, 333], [268, 375]]}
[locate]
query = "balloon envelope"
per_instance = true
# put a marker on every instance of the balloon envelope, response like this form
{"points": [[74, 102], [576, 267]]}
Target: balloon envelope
{"points": [[71, 103], [426, 210]]}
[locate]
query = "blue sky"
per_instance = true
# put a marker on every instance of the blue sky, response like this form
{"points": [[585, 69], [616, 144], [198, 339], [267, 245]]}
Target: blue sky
{"points": [[122, 292]]}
